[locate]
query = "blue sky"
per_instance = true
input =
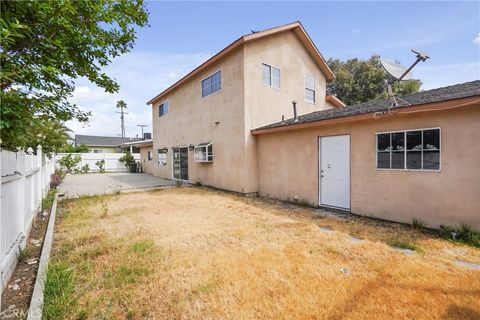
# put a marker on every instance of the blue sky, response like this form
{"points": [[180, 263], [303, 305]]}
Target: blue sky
{"points": [[184, 34]]}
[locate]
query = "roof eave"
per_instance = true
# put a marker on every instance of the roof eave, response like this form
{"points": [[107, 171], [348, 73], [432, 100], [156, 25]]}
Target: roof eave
{"points": [[200, 68], [295, 27], [425, 107]]}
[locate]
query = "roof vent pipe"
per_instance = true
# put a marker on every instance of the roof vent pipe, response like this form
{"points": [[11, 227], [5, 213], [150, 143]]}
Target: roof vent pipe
{"points": [[295, 118], [283, 118]]}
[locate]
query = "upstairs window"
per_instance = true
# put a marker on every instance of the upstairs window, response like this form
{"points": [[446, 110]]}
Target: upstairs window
{"points": [[149, 155], [409, 150], [309, 88], [271, 76], [163, 109], [212, 84]]}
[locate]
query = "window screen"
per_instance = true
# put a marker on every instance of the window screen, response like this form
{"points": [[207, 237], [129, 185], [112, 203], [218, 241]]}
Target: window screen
{"points": [[271, 76], [163, 109], [309, 88], [212, 84]]}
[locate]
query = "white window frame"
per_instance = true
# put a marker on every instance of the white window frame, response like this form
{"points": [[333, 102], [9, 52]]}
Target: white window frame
{"points": [[158, 160], [279, 76], [160, 105], [221, 83], [311, 89], [405, 150], [173, 162], [206, 147]]}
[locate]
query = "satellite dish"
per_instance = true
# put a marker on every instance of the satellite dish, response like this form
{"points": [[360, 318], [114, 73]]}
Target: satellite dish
{"points": [[399, 73], [396, 70]]}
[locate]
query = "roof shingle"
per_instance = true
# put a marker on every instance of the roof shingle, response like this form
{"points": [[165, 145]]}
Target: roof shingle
{"points": [[101, 141], [462, 90]]}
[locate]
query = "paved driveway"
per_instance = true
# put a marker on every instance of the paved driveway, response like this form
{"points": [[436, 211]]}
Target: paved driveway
{"points": [[104, 183]]}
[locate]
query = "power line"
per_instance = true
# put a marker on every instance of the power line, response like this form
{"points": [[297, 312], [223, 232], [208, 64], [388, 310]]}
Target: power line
{"points": [[142, 126]]}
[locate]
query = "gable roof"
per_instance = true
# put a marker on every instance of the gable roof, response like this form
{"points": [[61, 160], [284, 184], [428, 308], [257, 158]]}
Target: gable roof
{"points": [[454, 92], [100, 141], [295, 27]]}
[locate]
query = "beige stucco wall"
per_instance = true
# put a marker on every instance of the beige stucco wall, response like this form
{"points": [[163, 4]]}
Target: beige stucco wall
{"points": [[243, 103], [288, 166], [147, 165], [264, 104], [191, 120]]}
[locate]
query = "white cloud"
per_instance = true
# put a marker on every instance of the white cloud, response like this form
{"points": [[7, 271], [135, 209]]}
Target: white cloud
{"points": [[435, 76], [356, 31], [141, 76], [477, 39]]}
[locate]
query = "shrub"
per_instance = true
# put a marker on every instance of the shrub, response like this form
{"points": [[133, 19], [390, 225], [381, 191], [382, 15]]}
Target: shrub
{"points": [[178, 183], [418, 224], [101, 165], [70, 162], [85, 168], [76, 149], [464, 234], [402, 244], [55, 180], [127, 159]]}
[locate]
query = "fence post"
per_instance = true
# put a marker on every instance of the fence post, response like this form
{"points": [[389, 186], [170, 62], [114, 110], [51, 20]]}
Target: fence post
{"points": [[20, 194], [39, 181]]}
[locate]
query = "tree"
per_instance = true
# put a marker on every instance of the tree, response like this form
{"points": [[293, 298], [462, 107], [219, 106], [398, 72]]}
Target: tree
{"points": [[121, 104], [362, 80], [68, 148], [46, 45], [127, 159], [51, 134], [70, 163]]}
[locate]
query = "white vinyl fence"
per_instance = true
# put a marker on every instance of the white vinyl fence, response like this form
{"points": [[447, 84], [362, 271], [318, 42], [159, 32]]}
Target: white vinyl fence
{"points": [[25, 181], [111, 160]]}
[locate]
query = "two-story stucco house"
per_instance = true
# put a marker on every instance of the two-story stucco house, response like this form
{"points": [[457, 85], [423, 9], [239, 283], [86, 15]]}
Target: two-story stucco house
{"points": [[231, 124], [250, 83]]}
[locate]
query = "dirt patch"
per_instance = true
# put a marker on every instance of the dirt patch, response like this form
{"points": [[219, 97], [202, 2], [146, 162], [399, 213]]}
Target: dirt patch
{"points": [[193, 253], [18, 293]]}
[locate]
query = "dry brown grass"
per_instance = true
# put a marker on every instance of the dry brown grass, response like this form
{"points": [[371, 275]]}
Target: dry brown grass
{"points": [[190, 253]]}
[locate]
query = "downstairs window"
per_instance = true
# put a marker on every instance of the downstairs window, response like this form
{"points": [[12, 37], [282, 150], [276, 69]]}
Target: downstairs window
{"points": [[409, 150]]}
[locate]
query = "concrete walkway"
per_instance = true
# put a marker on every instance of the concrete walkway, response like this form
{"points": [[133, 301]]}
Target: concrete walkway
{"points": [[105, 183]]}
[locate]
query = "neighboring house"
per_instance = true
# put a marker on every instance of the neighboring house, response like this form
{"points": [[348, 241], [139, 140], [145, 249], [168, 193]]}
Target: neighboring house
{"points": [[101, 144], [221, 125], [145, 147]]}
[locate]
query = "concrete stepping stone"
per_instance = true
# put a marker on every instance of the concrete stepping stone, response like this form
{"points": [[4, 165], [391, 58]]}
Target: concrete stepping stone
{"points": [[408, 252], [355, 239], [326, 229], [469, 265]]}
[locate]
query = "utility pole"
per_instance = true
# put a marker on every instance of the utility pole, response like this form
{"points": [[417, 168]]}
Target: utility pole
{"points": [[122, 105], [142, 126]]}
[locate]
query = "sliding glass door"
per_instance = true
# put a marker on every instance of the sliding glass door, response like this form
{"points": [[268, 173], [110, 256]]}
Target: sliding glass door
{"points": [[180, 163]]}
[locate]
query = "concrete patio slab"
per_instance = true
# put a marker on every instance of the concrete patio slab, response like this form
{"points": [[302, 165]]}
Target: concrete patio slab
{"points": [[105, 183]]}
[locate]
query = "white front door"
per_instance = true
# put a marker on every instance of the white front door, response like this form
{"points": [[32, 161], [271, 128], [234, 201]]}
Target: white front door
{"points": [[335, 171]]}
